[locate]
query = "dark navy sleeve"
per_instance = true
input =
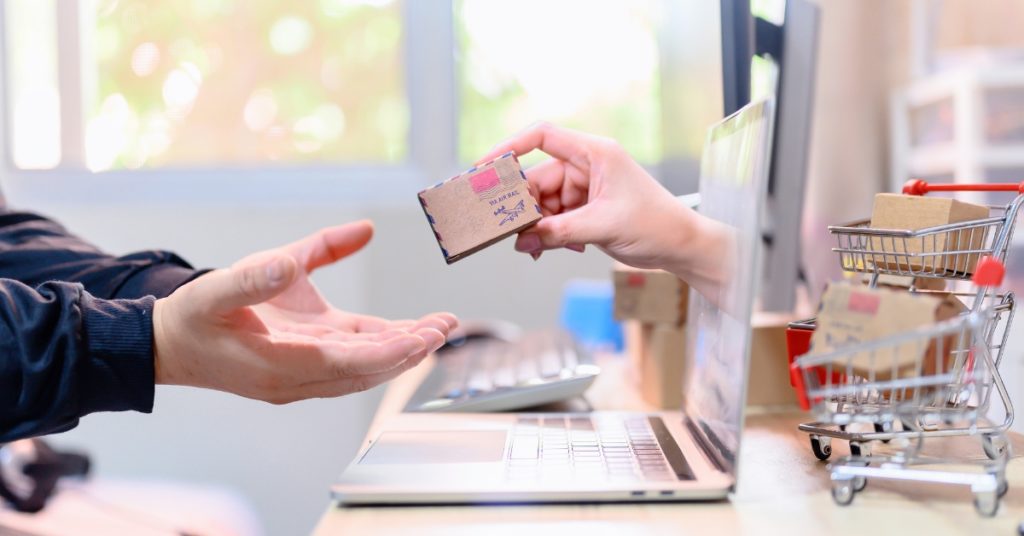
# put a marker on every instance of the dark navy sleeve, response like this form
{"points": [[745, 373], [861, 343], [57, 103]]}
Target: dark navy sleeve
{"points": [[65, 354], [35, 250]]}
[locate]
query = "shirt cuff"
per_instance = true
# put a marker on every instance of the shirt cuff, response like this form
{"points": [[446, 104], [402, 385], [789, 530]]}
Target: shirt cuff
{"points": [[120, 371], [158, 280]]}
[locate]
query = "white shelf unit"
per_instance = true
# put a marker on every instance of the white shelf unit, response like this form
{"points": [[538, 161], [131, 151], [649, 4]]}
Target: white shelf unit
{"points": [[961, 125]]}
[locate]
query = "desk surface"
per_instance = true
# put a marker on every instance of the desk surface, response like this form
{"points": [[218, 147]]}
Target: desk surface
{"points": [[782, 489]]}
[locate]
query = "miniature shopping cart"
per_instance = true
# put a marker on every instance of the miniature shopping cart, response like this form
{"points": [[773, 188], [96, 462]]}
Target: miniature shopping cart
{"points": [[949, 252], [900, 409], [945, 391]]}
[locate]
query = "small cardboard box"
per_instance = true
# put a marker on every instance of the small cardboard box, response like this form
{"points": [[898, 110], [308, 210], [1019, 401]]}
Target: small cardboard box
{"points": [[851, 315], [473, 210], [649, 296], [769, 385], [909, 212], [663, 365]]}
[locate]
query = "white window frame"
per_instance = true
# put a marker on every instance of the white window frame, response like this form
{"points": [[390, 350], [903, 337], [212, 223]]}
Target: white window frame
{"points": [[431, 89]]}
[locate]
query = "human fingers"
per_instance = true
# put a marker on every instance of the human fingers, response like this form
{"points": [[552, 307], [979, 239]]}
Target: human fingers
{"points": [[443, 322], [345, 386], [249, 283], [358, 358], [558, 186], [570, 230], [559, 142], [374, 324], [331, 244]]}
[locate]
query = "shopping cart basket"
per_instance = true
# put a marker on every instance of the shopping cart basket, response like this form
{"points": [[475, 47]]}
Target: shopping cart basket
{"points": [[946, 251]]}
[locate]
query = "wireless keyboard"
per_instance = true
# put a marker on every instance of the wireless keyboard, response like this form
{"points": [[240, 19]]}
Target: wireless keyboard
{"points": [[493, 374]]}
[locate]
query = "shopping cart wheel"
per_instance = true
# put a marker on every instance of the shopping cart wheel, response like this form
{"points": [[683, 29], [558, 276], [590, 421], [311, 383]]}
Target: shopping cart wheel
{"points": [[822, 447], [994, 446], [843, 491], [860, 449], [859, 483], [883, 429], [987, 504]]}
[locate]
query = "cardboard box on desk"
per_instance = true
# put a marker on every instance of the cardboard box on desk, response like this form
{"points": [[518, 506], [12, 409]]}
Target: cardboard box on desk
{"points": [[769, 385], [910, 212], [851, 315], [649, 296], [471, 211], [660, 365], [663, 365]]}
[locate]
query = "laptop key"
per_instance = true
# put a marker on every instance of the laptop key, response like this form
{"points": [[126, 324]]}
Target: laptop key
{"points": [[524, 447]]}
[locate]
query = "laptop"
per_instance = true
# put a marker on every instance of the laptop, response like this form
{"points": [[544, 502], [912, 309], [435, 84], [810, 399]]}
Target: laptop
{"points": [[687, 454]]}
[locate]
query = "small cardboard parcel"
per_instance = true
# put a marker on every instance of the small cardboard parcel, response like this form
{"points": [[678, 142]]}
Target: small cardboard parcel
{"points": [[473, 210], [853, 314], [929, 252]]}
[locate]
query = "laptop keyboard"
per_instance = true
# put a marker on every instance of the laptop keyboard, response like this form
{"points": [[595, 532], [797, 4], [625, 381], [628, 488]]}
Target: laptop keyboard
{"points": [[607, 448]]}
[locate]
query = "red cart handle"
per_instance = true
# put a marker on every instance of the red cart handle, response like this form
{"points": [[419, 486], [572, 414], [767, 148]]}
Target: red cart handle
{"points": [[920, 187]]}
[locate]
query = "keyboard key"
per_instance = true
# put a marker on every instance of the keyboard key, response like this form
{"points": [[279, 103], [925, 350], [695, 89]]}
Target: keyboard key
{"points": [[557, 423], [524, 447]]}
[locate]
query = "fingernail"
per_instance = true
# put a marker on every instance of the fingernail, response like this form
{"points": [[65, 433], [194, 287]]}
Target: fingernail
{"points": [[528, 242], [275, 271], [579, 248]]}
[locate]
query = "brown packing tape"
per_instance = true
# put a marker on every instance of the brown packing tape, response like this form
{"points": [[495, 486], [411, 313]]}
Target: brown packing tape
{"points": [[480, 207]]}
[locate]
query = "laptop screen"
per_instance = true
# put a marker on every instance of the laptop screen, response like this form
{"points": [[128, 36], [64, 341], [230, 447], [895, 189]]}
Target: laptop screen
{"points": [[733, 186]]}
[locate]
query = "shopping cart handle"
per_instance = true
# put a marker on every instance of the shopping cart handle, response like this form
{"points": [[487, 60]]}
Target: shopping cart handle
{"points": [[989, 272], [920, 187]]}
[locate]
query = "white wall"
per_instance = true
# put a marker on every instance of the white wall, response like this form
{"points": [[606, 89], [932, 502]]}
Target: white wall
{"points": [[284, 458]]}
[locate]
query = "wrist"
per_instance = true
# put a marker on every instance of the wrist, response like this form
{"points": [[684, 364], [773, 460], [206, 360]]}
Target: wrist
{"points": [[700, 250], [161, 368]]}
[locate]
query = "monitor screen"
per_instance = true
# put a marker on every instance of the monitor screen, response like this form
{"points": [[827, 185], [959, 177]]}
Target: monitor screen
{"points": [[733, 187]]}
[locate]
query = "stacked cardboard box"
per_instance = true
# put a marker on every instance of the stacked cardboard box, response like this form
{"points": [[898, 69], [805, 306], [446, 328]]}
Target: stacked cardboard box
{"points": [[652, 304]]}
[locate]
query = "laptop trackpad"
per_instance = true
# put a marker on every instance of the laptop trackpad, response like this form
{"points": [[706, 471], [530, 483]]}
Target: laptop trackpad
{"points": [[437, 447]]}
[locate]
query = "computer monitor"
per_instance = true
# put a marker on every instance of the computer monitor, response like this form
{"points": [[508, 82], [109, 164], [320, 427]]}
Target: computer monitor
{"points": [[775, 52]]}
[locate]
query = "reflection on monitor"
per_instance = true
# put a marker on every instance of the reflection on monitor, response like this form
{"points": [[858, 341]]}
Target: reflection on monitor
{"points": [[733, 186]]}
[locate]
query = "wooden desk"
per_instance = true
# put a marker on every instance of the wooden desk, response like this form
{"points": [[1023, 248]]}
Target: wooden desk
{"points": [[782, 490]]}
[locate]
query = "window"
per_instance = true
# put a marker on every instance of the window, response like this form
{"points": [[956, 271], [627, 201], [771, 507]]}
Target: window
{"points": [[347, 91], [526, 61], [214, 82], [33, 101]]}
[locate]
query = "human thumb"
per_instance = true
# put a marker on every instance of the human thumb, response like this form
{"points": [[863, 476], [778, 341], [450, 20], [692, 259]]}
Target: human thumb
{"points": [[576, 227], [247, 283]]}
